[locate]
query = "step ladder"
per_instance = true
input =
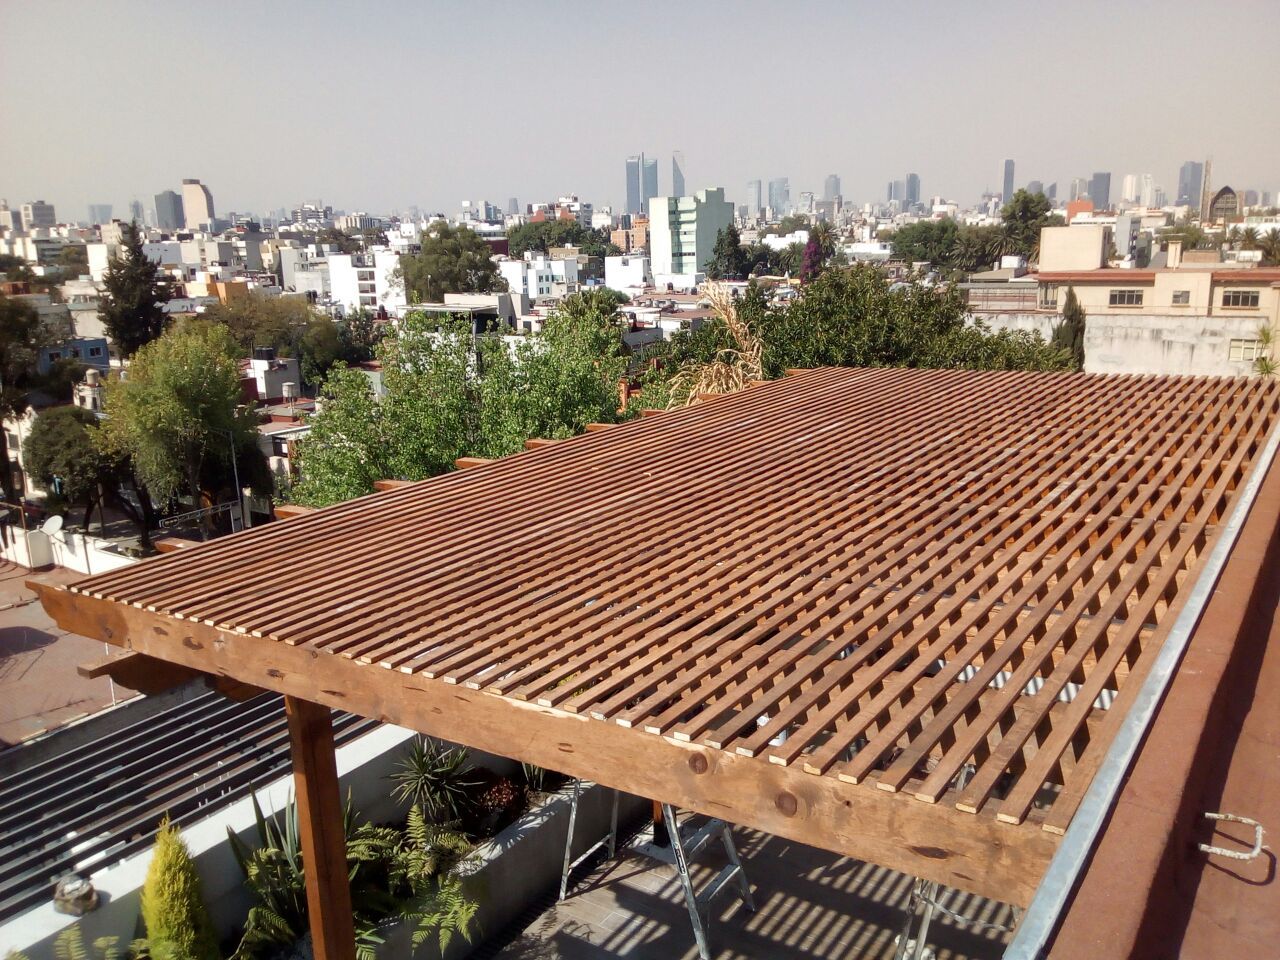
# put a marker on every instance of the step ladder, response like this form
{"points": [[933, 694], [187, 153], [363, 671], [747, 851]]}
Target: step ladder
{"points": [[610, 840], [685, 847]]}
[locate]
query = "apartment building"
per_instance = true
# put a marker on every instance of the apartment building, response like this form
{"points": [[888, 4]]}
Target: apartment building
{"points": [[683, 230], [366, 280], [540, 276], [1185, 314]]}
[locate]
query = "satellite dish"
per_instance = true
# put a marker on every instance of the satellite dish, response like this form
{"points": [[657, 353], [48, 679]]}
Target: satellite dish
{"points": [[52, 525]]}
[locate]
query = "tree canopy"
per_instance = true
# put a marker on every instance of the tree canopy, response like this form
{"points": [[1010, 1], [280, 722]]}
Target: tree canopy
{"points": [[452, 260], [450, 394], [134, 289], [728, 259], [1068, 335], [178, 414]]}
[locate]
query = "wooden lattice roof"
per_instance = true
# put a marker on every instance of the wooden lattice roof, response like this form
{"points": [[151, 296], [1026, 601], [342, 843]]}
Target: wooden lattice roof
{"points": [[895, 613]]}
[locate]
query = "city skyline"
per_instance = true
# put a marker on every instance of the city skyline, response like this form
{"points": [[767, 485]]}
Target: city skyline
{"points": [[779, 131]]}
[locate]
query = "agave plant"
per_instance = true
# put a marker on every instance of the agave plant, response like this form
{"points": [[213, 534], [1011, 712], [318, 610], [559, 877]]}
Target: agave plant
{"points": [[436, 779], [732, 369]]}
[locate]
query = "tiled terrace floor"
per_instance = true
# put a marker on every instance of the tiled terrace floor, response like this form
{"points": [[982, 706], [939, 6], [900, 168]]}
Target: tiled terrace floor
{"points": [[809, 904]]}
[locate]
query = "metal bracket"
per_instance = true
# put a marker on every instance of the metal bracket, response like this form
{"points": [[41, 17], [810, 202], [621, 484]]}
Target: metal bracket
{"points": [[1235, 854]]}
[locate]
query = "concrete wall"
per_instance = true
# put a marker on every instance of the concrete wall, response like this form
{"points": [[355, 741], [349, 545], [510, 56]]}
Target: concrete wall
{"points": [[1196, 345], [521, 866], [62, 549]]}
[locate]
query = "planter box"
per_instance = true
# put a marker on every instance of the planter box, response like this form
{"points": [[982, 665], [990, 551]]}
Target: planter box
{"points": [[521, 865]]}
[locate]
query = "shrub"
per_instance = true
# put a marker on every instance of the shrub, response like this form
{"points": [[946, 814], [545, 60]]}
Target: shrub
{"points": [[435, 778], [173, 907]]}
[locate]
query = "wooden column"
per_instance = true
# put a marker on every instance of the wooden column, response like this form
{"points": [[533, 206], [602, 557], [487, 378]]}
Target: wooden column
{"points": [[324, 845]]}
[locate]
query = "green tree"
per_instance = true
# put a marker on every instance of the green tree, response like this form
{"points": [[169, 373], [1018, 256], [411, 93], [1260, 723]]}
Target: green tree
{"points": [[73, 259], [788, 224], [173, 908], [134, 289], [1270, 247], [21, 336], [728, 259], [1068, 335], [178, 413], [1022, 219], [259, 320], [452, 260], [348, 447], [932, 241], [360, 334], [320, 349], [855, 317]]}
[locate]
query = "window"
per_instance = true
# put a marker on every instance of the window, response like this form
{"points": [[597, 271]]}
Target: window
{"points": [[54, 356], [1048, 295], [1246, 299], [1126, 298], [95, 351], [1245, 351], [1181, 298]]}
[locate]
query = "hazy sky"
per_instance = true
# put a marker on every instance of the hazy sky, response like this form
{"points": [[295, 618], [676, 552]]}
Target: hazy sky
{"points": [[379, 105]]}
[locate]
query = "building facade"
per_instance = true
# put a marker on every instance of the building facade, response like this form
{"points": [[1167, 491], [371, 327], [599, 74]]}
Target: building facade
{"points": [[169, 212], [683, 230], [1190, 183], [1006, 193], [197, 204], [37, 214]]}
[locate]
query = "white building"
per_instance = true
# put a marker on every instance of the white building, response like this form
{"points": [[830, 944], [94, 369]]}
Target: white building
{"points": [[683, 230], [197, 203], [37, 213], [628, 274], [537, 276], [366, 280]]}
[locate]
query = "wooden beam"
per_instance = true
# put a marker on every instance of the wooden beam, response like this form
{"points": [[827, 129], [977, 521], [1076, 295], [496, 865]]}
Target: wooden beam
{"points": [[597, 427], [466, 463], [233, 689], [537, 443], [320, 821], [390, 484], [137, 671], [291, 511], [652, 412], [937, 842]]}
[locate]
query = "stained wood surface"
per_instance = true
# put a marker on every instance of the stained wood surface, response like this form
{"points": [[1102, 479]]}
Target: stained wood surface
{"points": [[873, 581]]}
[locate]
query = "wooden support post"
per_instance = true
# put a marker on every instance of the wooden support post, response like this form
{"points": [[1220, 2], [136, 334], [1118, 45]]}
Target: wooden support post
{"points": [[320, 821]]}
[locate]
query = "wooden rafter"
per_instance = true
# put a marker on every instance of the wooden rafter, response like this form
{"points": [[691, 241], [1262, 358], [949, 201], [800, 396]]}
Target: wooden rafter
{"points": [[808, 607]]}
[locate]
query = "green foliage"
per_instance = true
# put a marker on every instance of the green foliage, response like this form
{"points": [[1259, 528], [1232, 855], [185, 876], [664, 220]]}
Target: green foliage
{"points": [[452, 260], [435, 779], [1021, 221], [21, 336], [321, 348], [449, 395], [66, 458], [408, 874], [173, 909], [933, 241], [259, 320], [134, 289], [540, 237], [855, 317], [788, 224], [178, 414], [1068, 335], [728, 259], [73, 259]]}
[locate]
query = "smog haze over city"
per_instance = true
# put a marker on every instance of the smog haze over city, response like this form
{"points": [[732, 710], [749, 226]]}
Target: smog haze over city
{"points": [[380, 107]]}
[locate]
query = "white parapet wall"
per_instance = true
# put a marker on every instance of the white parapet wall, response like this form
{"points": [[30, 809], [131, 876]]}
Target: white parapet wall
{"points": [[36, 549], [363, 769]]}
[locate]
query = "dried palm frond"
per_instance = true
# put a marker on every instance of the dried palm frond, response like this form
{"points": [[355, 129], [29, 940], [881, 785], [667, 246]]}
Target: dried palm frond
{"points": [[733, 367]]}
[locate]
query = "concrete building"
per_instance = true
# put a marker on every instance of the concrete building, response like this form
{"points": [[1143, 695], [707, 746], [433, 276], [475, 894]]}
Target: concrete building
{"points": [[366, 280], [1079, 189], [830, 187], [683, 230], [197, 204], [677, 174], [912, 195], [37, 214], [169, 212], [1194, 315], [1225, 206], [538, 276], [1190, 183], [755, 198], [99, 213], [635, 202], [630, 274], [633, 237], [1006, 192]]}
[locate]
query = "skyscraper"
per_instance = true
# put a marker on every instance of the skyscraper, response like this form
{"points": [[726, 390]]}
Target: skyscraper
{"points": [[1007, 193], [635, 200], [755, 197], [99, 213], [513, 206], [135, 211], [831, 187], [1034, 187], [913, 189], [1129, 188], [677, 174], [1146, 190], [898, 192], [779, 196], [1100, 190], [197, 203], [649, 181], [1079, 188], [1052, 191], [1190, 183], [169, 212]]}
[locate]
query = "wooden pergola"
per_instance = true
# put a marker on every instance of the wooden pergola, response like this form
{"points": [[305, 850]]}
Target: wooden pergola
{"points": [[895, 614]]}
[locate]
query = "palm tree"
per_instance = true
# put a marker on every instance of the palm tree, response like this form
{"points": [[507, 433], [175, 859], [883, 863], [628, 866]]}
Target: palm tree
{"points": [[1249, 239], [1270, 247]]}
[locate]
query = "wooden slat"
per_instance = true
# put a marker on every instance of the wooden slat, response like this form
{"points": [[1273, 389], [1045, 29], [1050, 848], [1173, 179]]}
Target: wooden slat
{"points": [[390, 484], [466, 463], [842, 586]]}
